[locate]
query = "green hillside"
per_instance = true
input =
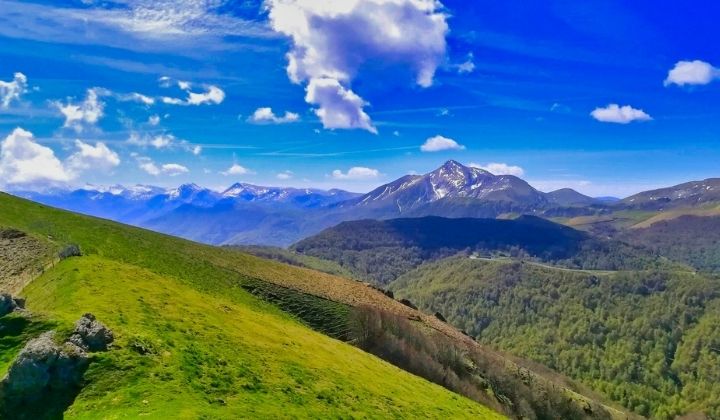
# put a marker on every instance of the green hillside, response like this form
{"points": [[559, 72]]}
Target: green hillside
{"points": [[379, 251], [191, 342], [646, 339]]}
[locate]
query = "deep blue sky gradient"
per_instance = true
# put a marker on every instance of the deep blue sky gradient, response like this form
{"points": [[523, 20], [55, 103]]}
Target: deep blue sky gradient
{"points": [[541, 68]]}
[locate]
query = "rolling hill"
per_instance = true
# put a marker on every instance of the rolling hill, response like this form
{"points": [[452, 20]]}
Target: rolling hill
{"points": [[647, 339], [694, 240], [380, 251], [213, 332], [210, 347]]}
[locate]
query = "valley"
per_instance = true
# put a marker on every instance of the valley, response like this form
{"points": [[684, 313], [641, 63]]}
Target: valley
{"points": [[611, 321]]}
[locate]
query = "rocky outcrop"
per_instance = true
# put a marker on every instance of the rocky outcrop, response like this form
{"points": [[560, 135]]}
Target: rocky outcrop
{"points": [[9, 304], [91, 334], [44, 365]]}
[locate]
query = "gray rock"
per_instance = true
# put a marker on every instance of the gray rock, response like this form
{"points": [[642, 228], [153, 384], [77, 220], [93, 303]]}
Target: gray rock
{"points": [[44, 364], [8, 304], [91, 334]]}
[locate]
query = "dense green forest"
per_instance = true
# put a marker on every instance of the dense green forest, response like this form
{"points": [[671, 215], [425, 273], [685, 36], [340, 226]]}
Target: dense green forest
{"points": [[381, 251], [649, 340], [694, 240]]}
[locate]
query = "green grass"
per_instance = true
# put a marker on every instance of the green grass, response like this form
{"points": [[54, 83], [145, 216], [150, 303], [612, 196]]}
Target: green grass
{"points": [[191, 342]]}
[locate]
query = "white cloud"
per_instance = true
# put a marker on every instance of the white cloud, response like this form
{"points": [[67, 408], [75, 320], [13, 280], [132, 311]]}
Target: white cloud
{"points": [[266, 115], [173, 169], [356, 173], [162, 141], [98, 157], [25, 162], [694, 72], [170, 169], [338, 107], [137, 97], [468, 66], [285, 175], [154, 120], [12, 90], [499, 168], [439, 143], [614, 113], [212, 95], [333, 40], [86, 113], [236, 169]]}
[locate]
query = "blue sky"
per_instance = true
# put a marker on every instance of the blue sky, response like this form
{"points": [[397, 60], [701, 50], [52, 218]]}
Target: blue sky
{"points": [[167, 92]]}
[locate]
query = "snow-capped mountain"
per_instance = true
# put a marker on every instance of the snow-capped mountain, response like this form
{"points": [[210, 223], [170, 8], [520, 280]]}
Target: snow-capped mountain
{"points": [[452, 182], [303, 196]]}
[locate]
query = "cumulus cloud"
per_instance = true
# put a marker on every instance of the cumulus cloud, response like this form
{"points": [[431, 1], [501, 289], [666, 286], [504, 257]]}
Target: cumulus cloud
{"points": [[24, 162], [338, 107], [170, 169], [694, 72], [266, 115], [439, 143], [154, 120], [82, 114], [98, 157], [12, 90], [236, 169], [356, 173], [333, 40], [615, 113], [212, 95], [173, 169], [499, 168]]}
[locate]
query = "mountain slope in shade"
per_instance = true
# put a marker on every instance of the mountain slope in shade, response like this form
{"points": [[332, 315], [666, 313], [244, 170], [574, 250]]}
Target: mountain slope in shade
{"points": [[381, 250], [689, 194]]}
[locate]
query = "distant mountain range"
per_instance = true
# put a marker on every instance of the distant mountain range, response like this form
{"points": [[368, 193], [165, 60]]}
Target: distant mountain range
{"points": [[689, 194], [251, 214]]}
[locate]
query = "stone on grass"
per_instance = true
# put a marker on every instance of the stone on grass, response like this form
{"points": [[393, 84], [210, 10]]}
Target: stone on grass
{"points": [[91, 334]]}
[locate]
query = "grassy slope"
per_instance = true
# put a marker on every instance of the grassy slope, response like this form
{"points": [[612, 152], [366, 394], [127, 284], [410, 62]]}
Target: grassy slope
{"points": [[635, 337], [215, 350]]}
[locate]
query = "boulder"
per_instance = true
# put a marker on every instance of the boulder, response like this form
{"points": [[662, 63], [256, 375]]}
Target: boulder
{"points": [[9, 304], [43, 364], [91, 334]]}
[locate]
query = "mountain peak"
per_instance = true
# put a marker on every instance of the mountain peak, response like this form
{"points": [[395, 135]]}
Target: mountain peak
{"points": [[453, 164]]}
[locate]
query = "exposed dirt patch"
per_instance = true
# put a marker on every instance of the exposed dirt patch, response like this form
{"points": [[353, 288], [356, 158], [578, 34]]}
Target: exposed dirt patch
{"points": [[22, 257]]}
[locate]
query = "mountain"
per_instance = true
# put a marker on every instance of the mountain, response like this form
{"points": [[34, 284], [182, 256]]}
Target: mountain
{"points": [[381, 250], [243, 213], [204, 332], [570, 197], [689, 194], [256, 215], [694, 240], [452, 188], [608, 199], [307, 197], [648, 339]]}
